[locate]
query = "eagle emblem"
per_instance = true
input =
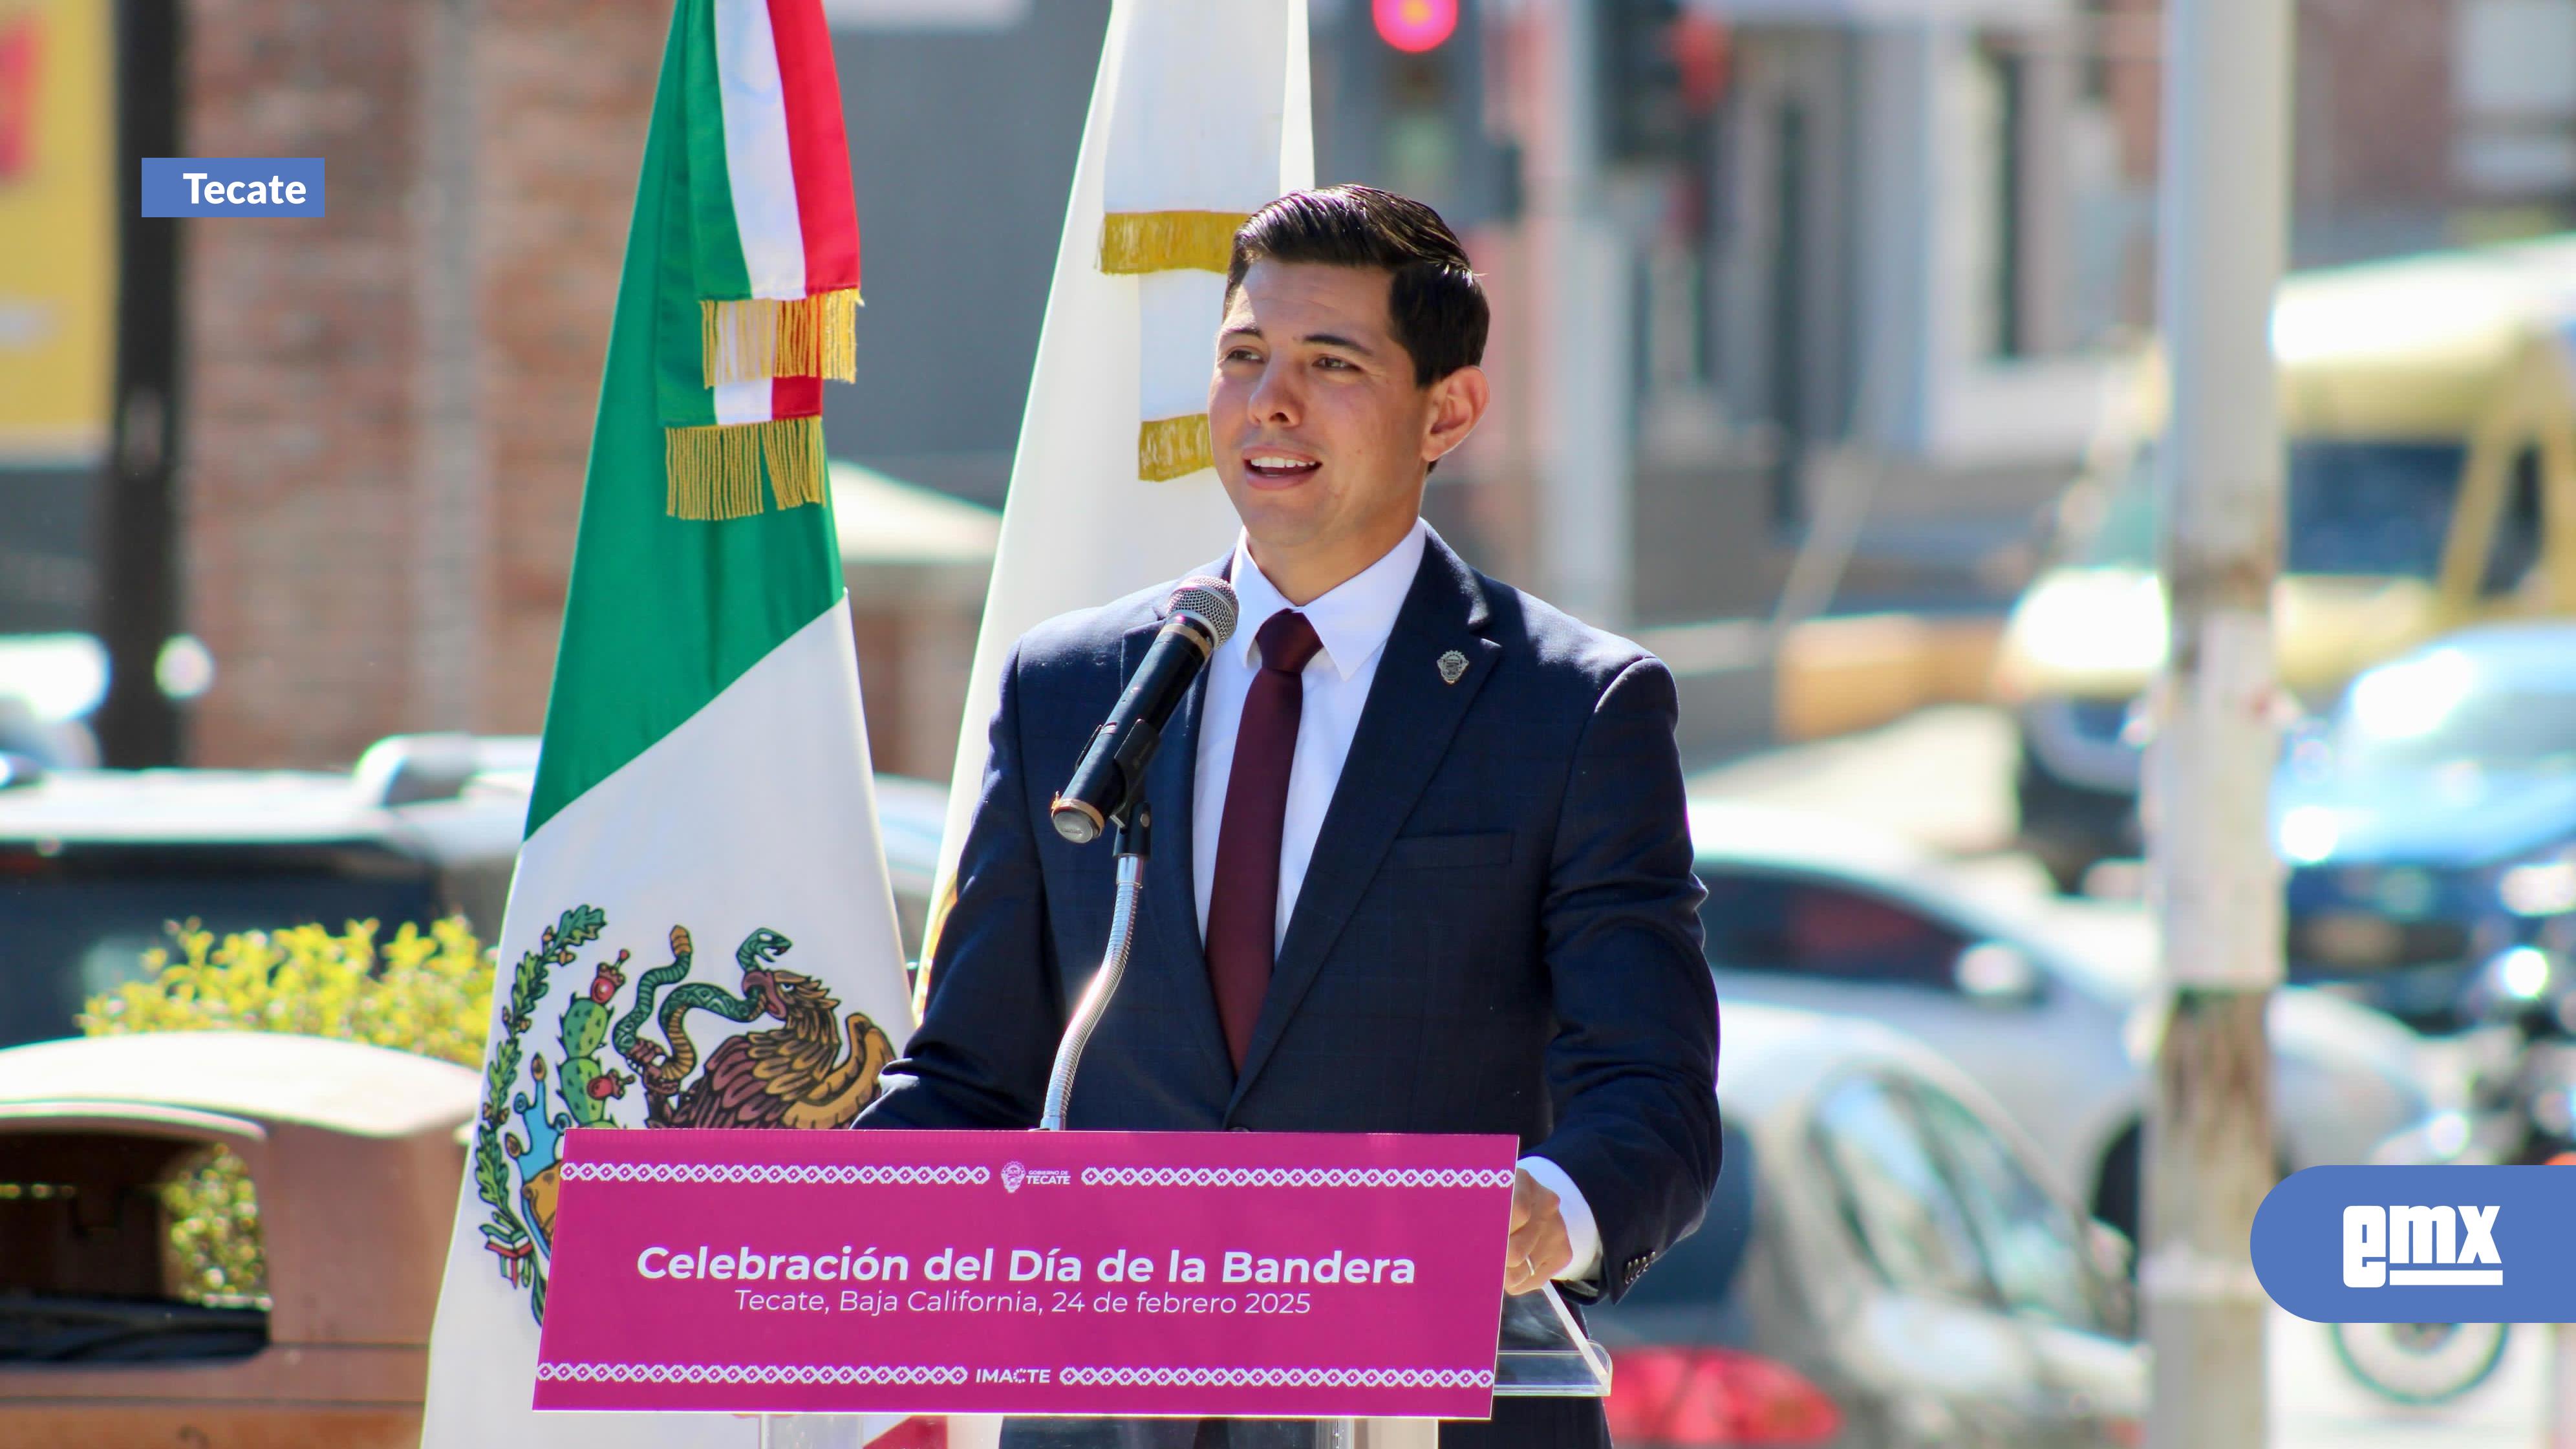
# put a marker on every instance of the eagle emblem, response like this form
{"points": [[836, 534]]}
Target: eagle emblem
{"points": [[815, 1068]]}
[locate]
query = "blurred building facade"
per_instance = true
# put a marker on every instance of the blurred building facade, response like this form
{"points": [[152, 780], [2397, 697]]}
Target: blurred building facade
{"points": [[2419, 124], [388, 409], [1825, 251], [1802, 305]]}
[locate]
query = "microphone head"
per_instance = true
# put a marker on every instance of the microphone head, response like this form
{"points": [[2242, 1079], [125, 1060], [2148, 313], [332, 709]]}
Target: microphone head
{"points": [[1209, 600]]}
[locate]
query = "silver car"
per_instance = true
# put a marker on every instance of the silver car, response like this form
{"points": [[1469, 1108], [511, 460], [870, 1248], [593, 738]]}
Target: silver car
{"points": [[1817, 913], [1884, 1264]]}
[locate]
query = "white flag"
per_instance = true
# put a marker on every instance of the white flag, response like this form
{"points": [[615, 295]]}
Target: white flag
{"points": [[1199, 118]]}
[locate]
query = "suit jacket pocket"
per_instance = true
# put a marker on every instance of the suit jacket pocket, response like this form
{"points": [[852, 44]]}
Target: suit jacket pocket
{"points": [[1437, 852]]}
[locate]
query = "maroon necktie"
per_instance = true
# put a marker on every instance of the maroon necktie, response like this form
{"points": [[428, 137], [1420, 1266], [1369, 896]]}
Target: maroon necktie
{"points": [[1243, 901]]}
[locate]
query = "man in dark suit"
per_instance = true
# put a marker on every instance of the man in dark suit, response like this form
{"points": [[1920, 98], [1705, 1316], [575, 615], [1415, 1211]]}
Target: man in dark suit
{"points": [[1421, 861]]}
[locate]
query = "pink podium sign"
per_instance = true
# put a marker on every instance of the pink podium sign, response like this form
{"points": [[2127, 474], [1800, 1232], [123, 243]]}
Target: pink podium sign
{"points": [[1283, 1275]]}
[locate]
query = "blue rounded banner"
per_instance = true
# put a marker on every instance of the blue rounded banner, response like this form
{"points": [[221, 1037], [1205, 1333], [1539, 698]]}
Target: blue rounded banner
{"points": [[243, 186], [2420, 1244]]}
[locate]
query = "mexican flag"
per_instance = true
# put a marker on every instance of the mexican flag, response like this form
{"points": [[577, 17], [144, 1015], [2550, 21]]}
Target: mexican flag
{"points": [[1200, 117], [701, 931]]}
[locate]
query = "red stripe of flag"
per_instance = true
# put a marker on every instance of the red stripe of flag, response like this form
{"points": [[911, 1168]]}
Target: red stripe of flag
{"points": [[818, 148], [796, 397], [921, 1431]]}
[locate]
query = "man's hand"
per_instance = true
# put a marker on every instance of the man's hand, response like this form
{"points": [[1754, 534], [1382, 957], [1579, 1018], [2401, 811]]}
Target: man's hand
{"points": [[1539, 1249]]}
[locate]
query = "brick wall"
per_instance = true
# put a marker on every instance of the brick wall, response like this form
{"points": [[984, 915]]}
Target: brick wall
{"points": [[299, 334], [2373, 123], [389, 408], [2375, 110], [569, 85]]}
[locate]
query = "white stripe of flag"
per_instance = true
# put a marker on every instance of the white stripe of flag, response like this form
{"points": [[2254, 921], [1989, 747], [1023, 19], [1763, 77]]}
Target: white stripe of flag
{"points": [[746, 402], [756, 157]]}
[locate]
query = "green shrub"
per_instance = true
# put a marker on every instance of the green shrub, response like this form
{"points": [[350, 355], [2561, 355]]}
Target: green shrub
{"points": [[425, 992]]}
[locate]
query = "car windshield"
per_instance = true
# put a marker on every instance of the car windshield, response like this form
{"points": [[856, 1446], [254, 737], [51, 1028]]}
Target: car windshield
{"points": [[2433, 710], [2359, 508], [74, 926], [1767, 920]]}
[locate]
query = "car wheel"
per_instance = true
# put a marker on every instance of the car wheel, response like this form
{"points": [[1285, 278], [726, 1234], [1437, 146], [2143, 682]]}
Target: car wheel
{"points": [[2419, 1364]]}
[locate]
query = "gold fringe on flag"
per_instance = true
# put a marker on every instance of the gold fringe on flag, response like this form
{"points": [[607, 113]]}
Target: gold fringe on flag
{"points": [[1169, 448], [793, 449], [714, 473], [759, 339], [1168, 241]]}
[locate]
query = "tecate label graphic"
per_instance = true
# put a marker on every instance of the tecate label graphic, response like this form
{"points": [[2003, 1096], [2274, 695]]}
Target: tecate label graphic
{"points": [[232, 186], [2420, 1244]]}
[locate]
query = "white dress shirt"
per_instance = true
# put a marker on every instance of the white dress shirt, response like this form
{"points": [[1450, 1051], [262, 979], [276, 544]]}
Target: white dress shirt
{"points": [[1353, 621]]}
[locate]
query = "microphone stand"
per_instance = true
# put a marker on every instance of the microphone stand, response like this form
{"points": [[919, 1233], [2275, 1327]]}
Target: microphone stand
{"points": [[1132, 843]]}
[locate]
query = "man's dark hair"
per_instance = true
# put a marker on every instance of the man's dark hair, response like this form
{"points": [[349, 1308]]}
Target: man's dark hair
{"points": [[1438, 309]]}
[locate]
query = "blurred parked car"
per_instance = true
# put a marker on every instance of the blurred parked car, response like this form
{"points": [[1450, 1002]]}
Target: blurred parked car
{"points": [[95, 863], [1886, 1263], [353, 1157], [2430, 823], [1821, 914], [2430, 412]]}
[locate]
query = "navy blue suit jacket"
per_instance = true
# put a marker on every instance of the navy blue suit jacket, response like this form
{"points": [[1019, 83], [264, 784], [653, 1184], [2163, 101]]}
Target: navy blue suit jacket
{"points": [[1498, 932]]}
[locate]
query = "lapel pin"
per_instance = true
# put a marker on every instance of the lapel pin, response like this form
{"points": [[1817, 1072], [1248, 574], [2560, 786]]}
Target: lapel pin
{"points": [[1452, 665]]}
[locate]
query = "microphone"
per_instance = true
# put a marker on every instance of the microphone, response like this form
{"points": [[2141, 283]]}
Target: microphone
{"points": [[1198, 618]]}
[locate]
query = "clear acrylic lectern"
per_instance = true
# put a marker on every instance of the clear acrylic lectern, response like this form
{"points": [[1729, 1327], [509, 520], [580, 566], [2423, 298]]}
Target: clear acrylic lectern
{"points": [[1540, 1352]]}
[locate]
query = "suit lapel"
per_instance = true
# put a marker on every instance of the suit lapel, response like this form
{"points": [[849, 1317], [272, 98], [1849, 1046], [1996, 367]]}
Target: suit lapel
{"points": [[1171, 886], [1404, 731]]}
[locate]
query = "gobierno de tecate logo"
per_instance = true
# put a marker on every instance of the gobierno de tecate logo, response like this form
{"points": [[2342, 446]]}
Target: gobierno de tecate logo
{"points": [[232, 186], [2420, 1244]]}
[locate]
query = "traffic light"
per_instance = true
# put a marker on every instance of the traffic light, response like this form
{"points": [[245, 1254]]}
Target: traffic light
{"points": [[1415, 26], [1663, 69]]}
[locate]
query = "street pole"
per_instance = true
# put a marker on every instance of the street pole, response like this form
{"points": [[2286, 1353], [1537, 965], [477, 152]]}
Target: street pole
{"points": [[1583, 541], [2218, 887], [136, 607], [2562, 1387]]}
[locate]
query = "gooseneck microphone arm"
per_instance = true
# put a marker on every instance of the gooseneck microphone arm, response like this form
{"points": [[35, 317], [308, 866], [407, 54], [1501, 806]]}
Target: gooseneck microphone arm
{"points": [[1133, 844], [1108, 789]]}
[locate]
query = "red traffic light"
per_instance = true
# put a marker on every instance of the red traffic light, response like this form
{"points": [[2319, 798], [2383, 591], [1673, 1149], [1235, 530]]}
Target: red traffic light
{"points": [[1415, 25]]}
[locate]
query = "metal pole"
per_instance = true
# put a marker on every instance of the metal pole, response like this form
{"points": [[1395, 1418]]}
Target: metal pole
{"points": [[1133, 844], [2562, 1387], [1583, 545], [136, 607], [2209, 1140]]}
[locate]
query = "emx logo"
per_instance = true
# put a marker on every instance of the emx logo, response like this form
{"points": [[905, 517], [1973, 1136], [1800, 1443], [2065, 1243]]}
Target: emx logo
{"points": [[2410, 1246], [2420, 1244]]}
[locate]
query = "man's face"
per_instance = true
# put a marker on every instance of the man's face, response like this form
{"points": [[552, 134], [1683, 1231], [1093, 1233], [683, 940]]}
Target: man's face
{"points": [[1320, 433]]}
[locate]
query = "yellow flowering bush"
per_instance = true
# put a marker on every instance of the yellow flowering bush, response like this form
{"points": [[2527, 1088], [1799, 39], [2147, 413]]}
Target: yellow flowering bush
{"points": [[427, 992]]}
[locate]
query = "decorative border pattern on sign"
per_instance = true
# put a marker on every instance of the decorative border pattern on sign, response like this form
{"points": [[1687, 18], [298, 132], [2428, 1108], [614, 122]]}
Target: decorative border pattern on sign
{"points": [[842, 1174], [1123, 1377], [750, 1373], [1296, 1177]]}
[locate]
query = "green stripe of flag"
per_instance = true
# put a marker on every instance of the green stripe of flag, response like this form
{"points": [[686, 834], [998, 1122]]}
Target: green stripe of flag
{"points": [[721, 270], [662, 613]]}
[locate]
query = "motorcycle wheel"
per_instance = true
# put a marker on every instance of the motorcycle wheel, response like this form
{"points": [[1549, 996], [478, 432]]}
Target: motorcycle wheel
{"points": [[2419, 1364]]}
